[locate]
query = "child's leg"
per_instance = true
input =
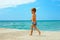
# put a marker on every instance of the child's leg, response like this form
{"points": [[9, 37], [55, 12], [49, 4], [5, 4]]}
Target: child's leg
{"points": [[31, 30], [37, 29]]}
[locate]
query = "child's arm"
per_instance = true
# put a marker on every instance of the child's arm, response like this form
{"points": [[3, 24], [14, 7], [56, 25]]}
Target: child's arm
{"points": [[34, 18]]}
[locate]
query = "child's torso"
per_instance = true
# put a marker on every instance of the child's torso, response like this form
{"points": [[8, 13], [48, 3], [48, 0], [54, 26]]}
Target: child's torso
{"points": [[33, 18]]}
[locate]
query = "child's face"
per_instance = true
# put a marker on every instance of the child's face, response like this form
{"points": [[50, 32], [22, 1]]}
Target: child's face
{"points": [[33, 12]]}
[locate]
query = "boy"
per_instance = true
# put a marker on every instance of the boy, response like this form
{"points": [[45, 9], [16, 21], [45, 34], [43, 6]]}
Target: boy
{"points": [[34, 21]]}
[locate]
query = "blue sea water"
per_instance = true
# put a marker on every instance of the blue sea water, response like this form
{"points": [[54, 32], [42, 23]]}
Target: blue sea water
{"points": [[49, 25]]}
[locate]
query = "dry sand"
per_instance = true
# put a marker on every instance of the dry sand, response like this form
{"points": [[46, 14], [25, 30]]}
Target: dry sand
{"points": [[14, 34]]}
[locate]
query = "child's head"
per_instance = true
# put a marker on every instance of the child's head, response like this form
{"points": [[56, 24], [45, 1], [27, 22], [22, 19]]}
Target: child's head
{"points": [[33, 10]]}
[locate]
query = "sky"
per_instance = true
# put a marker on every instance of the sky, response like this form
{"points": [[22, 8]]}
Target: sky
{"points": [[21, 9]]}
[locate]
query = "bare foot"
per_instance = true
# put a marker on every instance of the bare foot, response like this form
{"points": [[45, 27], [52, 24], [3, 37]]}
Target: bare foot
{"points": [[39, 33], [30, 34]]}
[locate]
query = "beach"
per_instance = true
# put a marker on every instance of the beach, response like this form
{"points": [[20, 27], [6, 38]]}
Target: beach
{"points": [[15, 34]]}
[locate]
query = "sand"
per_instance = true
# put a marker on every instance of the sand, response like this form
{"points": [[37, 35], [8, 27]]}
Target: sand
{"points": [[15, 34]]}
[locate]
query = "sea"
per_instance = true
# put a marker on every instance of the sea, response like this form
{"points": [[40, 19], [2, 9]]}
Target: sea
{"points": [[48, 25]]}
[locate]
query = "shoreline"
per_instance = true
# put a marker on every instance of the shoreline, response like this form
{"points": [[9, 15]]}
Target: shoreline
{"points": [[27, 29], [16, 34]]}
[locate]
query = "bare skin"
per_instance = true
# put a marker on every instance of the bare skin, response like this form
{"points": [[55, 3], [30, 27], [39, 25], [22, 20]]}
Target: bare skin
{"points": [[34, 26]]}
